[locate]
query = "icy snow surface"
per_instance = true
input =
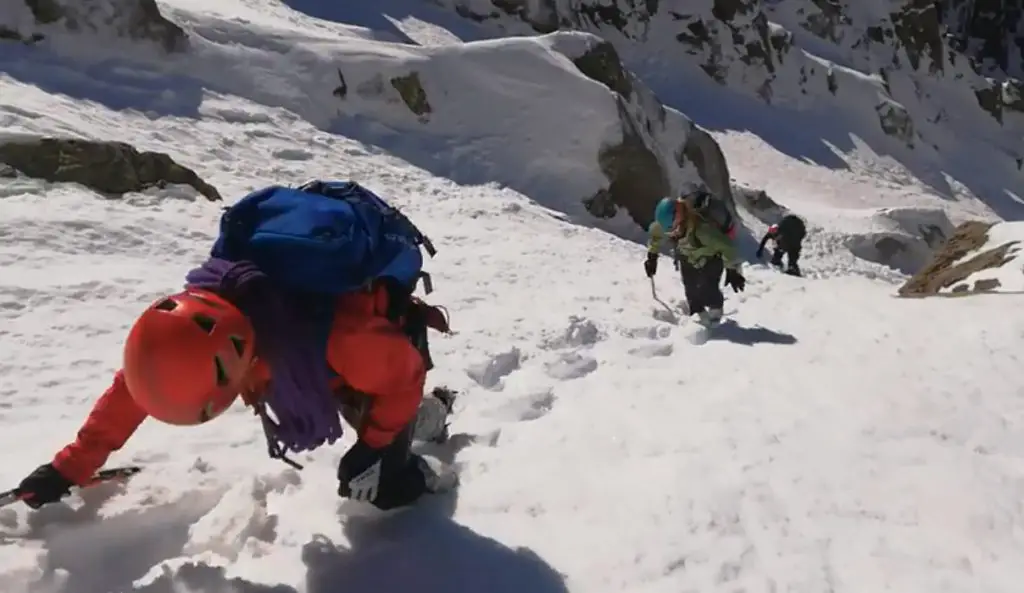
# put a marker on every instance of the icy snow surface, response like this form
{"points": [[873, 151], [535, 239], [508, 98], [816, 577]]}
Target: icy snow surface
{"points": [[831, 438]]}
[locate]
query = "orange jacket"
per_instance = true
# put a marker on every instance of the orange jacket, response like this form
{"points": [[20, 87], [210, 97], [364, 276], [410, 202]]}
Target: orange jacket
{"points": [[369, 353]]}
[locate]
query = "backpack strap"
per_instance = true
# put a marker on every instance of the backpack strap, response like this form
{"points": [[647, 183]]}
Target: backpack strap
{"points": [[352, 192]]}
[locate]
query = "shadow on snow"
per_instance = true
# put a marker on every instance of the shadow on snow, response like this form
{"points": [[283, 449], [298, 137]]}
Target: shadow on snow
{"points": [[420, 548], [821, 136]]}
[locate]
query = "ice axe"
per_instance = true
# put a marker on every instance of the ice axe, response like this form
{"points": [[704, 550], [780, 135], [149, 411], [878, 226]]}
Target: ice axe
{"points": [[654, 295], [107, 475]]}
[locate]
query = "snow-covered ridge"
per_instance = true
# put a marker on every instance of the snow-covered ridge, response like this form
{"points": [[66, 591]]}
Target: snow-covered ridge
{"points": [[877, 70], [556, 117]]}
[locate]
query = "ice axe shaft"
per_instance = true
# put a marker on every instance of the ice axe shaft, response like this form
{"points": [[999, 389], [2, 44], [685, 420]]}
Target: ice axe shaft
{"points": [[107, 475], [654, 295]]}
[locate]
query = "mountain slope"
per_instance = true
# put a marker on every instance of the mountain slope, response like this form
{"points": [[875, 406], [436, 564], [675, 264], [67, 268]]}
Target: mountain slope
{"points": [[487, 112], [801, 451], [862, 88], [832, 437]]}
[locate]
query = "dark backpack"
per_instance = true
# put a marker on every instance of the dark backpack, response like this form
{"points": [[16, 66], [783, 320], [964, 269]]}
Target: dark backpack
{"points": [[325, 237], [714, 211], [792, 227]]}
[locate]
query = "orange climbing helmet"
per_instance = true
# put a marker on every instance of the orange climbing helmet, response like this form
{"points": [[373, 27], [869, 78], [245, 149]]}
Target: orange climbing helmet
{"points": [[187, 357]]}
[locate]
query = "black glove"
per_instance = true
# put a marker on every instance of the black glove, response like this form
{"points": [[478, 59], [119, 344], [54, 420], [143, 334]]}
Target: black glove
{"points": [[734, 279], [45, 485], [359, 473], [651, 265], [387, 478], [760, 253]]}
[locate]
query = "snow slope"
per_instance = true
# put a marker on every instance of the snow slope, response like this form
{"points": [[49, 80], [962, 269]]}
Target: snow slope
{"points": [[833, 438], [341, 78]]}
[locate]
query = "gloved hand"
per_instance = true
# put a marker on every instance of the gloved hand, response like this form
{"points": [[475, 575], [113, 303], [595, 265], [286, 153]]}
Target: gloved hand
{"points": [[734, 279], [651, 265], [759, 253], [46, 485]]}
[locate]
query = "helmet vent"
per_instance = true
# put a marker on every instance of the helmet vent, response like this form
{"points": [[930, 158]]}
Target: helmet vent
{"points": [[166, 305], [239, 344], [222, 374], [205, 322]]}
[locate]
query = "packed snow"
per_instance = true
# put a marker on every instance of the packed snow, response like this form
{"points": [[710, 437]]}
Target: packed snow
{"points": [[831, 437]]}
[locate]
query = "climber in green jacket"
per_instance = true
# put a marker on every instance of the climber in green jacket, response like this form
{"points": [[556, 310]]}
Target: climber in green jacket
{"points": [[703, 232]]}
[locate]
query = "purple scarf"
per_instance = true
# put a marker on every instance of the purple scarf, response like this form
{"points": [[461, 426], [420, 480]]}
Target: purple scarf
{"points": [[299, 393]]}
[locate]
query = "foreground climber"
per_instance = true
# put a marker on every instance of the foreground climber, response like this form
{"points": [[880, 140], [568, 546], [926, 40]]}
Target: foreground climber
{"points": [[703, 233], [788, 236], [305, 309]]}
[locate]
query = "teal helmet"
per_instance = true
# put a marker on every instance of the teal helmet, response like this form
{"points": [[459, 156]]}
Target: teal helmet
{"points": [[665, 213]]}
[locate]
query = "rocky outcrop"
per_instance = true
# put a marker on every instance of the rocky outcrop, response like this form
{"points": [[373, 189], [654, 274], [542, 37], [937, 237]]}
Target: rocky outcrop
{"points": [[623, 152], [989, 32], [759, 203], [637, 177], [411, 90], [999, 97], [895, 121], [904, 239], [951, 265], [31, 21], [705, 154], [902, 60], [113, 168]]}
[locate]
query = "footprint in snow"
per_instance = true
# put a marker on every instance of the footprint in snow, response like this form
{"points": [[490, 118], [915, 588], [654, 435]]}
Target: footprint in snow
{"points": [[579, 333], [570, 365], [292, 154], [651, 350], [489, 373], [527, 407], [651, 332]]}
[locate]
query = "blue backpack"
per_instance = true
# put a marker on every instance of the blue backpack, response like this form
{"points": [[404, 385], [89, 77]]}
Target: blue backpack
{"points": [[324, 237]]}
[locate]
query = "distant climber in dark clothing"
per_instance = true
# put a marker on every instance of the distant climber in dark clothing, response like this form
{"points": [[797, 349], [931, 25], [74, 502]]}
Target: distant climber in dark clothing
{"points": [[788, 235]]}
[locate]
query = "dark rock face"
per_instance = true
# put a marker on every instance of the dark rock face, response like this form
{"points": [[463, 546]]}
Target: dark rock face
{"points": [[137, 20], [411, 90], [750, 46], [637, 177], [107, 167], [990, 32]]}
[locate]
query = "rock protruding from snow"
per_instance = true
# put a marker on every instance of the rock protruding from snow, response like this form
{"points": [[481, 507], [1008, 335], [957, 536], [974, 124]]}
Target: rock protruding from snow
{"points": [[888, 64], [639, 167], [31, 21], [411, 90], [705, 154], [636, 177], [104, 166], [980, 257], [905, 239], [759, 203], [991, 32]]}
